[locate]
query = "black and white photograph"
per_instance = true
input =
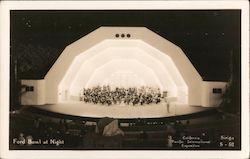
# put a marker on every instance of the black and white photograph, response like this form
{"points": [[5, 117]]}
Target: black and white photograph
{"points": [[125, 79]]}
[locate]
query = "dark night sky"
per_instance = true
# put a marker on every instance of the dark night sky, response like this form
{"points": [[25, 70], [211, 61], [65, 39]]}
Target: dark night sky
{"points": [[206, 37]]}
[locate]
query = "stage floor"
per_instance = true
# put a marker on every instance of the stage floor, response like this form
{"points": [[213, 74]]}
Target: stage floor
{"points": [[121, 111]]}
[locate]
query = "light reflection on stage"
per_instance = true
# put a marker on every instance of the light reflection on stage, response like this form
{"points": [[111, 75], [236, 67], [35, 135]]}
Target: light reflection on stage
{"points": [[122, 111]]}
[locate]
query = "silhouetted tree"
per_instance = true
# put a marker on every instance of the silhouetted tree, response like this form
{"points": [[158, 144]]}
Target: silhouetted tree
{"points": [[231, 102]]}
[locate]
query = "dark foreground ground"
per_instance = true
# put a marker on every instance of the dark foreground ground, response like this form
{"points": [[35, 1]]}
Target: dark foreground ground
{"points": [[31, 128]]}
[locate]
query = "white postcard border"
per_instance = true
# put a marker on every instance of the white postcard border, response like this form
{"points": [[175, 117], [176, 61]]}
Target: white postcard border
{"points": [[6, 6]]}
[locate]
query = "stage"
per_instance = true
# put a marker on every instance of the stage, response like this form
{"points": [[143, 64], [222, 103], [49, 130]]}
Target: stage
{"points": [[122, 111]]}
